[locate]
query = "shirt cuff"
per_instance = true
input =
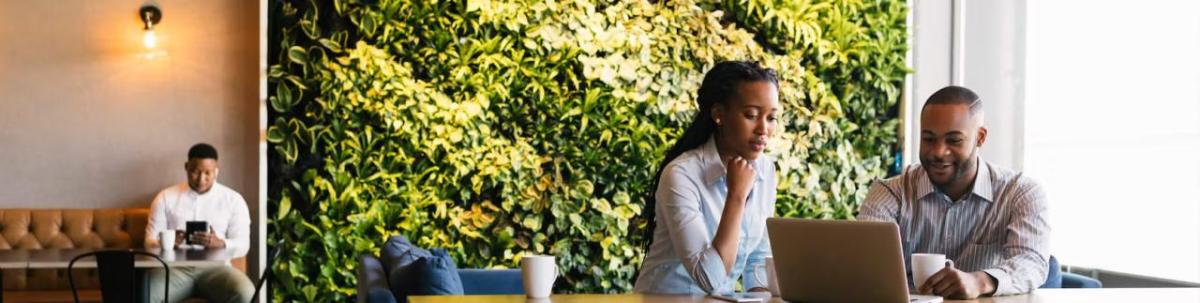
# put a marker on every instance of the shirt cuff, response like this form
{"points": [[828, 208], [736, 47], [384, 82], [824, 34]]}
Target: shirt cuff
{"points": [[1003, 281], [713, 270], [750, 280], [751, 276]]}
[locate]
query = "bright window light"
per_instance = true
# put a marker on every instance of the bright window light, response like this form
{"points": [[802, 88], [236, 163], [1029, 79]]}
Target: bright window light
{"points": [[1113, 132]]}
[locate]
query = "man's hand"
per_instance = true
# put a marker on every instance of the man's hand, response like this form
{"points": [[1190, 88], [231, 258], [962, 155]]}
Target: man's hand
{"points": [[955, 284], [208, 239]]}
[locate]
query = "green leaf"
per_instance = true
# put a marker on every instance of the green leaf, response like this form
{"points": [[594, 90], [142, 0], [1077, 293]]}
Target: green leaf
{"points": [[309, 24], [533, 222], [331, 45], [285, 206], [275, 135], [282, 101], [297, 55]]}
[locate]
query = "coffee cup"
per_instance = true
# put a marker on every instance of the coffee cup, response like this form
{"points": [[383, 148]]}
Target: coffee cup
{"points": [[538, 273], [925, 265], [166, 239], [772, 280]]}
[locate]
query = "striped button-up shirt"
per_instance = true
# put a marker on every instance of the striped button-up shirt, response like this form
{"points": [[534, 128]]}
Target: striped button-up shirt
{"points": [[999, 228]]}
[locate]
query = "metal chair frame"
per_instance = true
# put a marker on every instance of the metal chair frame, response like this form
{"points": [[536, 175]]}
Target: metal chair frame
{"points": [[100, 266]]}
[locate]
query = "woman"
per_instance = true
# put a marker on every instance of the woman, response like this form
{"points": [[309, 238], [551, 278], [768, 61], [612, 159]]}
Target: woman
{"points": [[715, 189]]}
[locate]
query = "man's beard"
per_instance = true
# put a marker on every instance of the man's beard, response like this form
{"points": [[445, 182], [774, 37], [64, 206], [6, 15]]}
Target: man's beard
{"points": [[960, 170]]}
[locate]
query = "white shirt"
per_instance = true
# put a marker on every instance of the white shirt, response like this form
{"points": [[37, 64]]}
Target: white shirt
{"points": [[224, 209]]}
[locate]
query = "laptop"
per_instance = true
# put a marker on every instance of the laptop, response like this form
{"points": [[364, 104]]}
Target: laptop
{"points": [[840, 261]]}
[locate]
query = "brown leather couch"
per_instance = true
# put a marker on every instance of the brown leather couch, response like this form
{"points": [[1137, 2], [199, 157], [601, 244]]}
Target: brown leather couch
{"points": [[69, 228]]}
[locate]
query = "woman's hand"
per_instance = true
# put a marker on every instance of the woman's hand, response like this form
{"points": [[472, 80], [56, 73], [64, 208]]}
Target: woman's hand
{"points": [[739, 172]]}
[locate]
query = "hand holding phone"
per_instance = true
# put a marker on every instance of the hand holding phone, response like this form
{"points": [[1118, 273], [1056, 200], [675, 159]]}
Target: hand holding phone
{"points": [[194, 227]]}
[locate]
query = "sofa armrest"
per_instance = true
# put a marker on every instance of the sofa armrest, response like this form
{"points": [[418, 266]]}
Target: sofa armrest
{"points": [[372, 280], [491, 281]]}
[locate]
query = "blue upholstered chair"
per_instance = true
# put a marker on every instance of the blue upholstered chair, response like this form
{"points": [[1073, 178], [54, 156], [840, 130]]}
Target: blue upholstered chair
{"points": [[1055, 278], [1073, 280], [375, 285]]}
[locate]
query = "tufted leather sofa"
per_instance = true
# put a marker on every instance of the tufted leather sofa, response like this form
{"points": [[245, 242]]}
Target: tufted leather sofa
{"points": [[34, 229]]}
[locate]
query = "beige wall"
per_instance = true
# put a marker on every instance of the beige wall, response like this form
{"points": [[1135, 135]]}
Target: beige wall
{"points": [[89, 120]]}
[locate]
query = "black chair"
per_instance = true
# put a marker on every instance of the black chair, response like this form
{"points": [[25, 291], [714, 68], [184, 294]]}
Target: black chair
{"points": [[118, 279], [267, 272]]}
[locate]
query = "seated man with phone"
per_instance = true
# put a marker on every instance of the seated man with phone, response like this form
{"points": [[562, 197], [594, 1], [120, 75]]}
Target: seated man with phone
{"points": [[201, 214], [988, 220]]}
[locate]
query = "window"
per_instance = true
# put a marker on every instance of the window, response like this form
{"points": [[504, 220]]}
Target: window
{"points": [[1112, 130]]}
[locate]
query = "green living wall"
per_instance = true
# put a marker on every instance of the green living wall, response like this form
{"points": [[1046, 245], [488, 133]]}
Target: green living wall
{"points": [[497, 129]]}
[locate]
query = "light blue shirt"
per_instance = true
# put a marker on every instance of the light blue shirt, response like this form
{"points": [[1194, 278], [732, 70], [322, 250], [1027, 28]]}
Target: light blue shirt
{"points": [[690, 200]]}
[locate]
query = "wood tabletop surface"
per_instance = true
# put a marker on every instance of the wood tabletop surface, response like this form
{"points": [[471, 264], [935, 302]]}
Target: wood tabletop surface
{"points": [[1097, 295], [60, 258]]}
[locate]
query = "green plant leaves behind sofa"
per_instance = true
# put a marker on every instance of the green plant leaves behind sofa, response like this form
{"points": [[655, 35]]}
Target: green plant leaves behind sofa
{"points": [[497, 129]]}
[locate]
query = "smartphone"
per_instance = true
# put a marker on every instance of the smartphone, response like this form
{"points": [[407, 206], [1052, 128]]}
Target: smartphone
{"points": [[194, 227], [742, 297]]}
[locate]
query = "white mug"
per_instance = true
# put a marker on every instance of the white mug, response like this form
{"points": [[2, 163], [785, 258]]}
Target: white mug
{"points": [[167, 255], [538, 273], [166, 240], [772, 280], [925, 265]]}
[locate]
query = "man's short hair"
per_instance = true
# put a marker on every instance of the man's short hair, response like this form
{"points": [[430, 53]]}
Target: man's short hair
{"points": [[202, 151], [957, 95]]}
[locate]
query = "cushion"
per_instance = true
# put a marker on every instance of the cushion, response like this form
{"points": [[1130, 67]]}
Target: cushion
{"points": [[371, 276], [379, 295], [397, 257], [435, 275]]}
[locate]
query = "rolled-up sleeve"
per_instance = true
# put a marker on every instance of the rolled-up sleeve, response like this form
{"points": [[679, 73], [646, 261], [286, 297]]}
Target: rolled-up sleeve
{"points": [[1026, 249], [678, 200]]}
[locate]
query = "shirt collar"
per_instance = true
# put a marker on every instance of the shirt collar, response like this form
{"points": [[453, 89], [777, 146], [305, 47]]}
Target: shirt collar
{"points": [[193, 193], [982, 187], [714, 168], [983, 181]]}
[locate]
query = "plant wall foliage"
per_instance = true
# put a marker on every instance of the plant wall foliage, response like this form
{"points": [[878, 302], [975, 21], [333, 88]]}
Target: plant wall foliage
{"points": [[500, 128]]}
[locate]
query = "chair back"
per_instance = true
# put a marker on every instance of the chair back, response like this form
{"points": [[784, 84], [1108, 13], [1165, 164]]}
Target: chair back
{"points": [[1053, 275], [118, 279]]}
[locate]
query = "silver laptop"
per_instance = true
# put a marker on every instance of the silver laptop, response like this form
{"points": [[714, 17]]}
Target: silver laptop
{"points": [[839, 261]]}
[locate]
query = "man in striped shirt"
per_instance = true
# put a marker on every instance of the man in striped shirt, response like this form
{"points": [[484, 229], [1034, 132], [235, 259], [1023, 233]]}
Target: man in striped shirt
{"points": [[989, 220]]}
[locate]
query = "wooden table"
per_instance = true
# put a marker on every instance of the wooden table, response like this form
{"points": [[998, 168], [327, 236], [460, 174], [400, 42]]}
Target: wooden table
{"points": [[60, 258], [1098, 295]]}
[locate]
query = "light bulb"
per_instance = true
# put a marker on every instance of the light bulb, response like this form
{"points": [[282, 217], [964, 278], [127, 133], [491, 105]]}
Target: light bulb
{"points": [[149, 39]]}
